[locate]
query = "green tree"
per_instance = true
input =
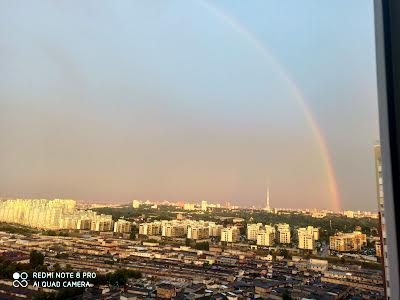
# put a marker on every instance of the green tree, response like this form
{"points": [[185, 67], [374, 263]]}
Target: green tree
{"points": [[133, 232], [121, 276], [99, 279], [36, 259], [202, 246], [68, 268], [62, 255], [57, 267], [44, 296], [284, 253], [286, 295]]}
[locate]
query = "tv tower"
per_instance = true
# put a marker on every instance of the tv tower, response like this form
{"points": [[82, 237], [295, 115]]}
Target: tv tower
{"points": [[268, 207]]}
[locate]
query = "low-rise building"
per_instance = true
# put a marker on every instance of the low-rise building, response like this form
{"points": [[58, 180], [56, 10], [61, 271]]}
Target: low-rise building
{"points": [[166, 291]]}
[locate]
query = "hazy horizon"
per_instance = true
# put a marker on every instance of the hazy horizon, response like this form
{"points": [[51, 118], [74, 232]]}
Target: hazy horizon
{"points": [[189, 101]]}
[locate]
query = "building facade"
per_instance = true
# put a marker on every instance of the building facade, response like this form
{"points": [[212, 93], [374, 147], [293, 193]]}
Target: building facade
{"points": [[198, 232], [307, 237], [53, 214], [136, 204], [381, 213], [230, 234], [253, 230], [347, 242], [122, 226], [266, 237], [284, 233]]}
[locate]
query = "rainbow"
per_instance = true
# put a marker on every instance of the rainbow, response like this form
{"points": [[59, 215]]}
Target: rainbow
{"points": [[294, 90]]}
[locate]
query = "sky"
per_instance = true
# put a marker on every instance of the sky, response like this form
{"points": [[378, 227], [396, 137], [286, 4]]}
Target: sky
{"points": [[109, 101]]}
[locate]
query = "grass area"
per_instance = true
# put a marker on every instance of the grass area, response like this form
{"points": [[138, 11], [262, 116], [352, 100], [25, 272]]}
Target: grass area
{"points": [[25, 230], [17, 229]]}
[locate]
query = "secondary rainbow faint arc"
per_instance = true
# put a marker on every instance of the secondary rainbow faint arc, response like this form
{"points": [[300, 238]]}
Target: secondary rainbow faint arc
{"points": [[332, 183]]}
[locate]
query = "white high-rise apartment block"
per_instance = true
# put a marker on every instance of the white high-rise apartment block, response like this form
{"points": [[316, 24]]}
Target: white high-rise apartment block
{"points": [[39, 213], [180, 228], [307, 238], [173, 229], [101, 223], [284, 233], [143, 229], [204, 205], [349, 213], [197, 232], [122, 226], [315, 232], [253, 230], [215, 230], [266, 237], [345, 242], [135, 203], [189, 206], [52, 214], [153, 228], [230, 234]]}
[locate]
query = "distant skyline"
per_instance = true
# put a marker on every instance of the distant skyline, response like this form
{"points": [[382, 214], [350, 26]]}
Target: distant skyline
{"points": [[189, 100]]}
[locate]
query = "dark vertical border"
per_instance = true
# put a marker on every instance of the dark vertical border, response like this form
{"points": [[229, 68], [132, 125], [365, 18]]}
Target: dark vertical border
{"points": [[387, 26]]}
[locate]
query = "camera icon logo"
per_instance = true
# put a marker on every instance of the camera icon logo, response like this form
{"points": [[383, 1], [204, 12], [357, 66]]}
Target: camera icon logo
{"points": [[20, 279]]}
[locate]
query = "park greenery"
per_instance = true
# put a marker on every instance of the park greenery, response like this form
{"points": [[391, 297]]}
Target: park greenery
{"points": [[120, 277], [17, 229]]}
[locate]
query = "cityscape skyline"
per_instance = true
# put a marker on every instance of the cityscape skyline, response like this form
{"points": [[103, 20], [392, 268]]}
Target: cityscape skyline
{"points": [[197, 205], [271, 253], [127, 103]]}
